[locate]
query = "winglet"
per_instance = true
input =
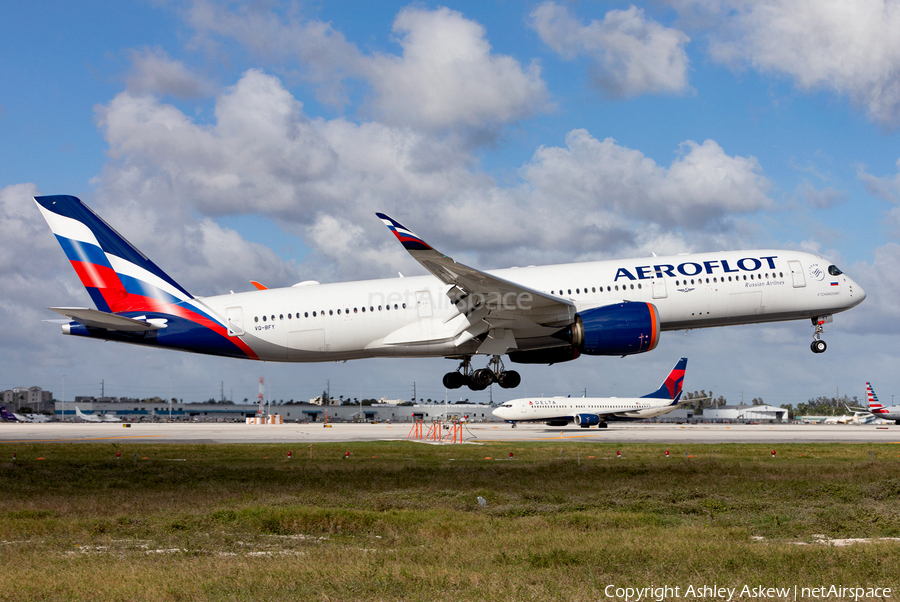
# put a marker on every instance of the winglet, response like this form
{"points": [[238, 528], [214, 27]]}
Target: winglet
{"points": [[261, 287], [407, 238]]}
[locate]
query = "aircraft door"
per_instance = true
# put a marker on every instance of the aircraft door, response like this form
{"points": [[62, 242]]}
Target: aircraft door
{"points": [[423, 303], [797, 273], [659, 288], [234, 320]]}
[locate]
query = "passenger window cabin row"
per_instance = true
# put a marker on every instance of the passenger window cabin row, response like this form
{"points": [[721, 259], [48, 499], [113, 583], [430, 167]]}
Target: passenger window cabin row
{"points": [[578, 291], [679, 282], [331, 312]]}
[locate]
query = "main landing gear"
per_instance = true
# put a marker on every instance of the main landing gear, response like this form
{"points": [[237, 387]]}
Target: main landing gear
{"points": [[818, 345], [481, 379]]}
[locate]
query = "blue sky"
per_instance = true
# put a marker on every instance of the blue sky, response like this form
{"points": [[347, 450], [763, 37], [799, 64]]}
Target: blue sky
{"points": [[233, 142]]}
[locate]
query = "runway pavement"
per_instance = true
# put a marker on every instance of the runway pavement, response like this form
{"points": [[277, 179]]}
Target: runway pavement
{"points": [[472, 433]]}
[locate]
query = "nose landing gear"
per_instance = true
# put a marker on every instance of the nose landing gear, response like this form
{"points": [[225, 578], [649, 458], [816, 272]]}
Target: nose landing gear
{"points": [[481, 379], [818, 345]]}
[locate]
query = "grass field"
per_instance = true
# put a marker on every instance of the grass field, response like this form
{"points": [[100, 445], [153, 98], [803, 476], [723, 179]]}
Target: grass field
{"points": [[402, 521]]}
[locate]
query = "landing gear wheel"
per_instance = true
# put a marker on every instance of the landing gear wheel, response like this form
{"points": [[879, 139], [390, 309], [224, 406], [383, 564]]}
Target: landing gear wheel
{"points": [[481, 379], [602, 425], [509, 379], [454, 380], [818, 345]]}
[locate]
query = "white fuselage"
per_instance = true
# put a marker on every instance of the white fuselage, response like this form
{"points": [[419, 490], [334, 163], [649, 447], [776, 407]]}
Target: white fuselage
{"points": [[889, 413], [413, 316], [544, 409]]}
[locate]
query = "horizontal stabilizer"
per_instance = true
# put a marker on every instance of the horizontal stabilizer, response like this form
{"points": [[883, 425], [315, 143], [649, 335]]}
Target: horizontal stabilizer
{"points": [[101, 319]]}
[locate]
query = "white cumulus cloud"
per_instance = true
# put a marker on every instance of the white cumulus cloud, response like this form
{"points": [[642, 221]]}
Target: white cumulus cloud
{"points": [[850, 48], [701, 186], [631, 54], [154, 72], [447, 76]]}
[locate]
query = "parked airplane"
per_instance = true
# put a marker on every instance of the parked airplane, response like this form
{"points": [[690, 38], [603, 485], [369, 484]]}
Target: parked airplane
{"points": [[110, 418], [8, 416], [31, 417], [878, 410], [86, 417], [535, 314], [588, 411]]}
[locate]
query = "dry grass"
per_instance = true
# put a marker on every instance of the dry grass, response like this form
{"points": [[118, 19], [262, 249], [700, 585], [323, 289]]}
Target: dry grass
{"points": [[401, 521]]}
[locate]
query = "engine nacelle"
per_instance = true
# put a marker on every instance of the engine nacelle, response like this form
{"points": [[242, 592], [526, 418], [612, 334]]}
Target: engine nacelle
{"points": [[586, 419], [619, 329], [554, 355]]}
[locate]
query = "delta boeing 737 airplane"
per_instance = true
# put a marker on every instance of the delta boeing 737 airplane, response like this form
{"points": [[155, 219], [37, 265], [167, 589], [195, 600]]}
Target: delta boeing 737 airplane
{"points": [[533, 315], [589, 411]]}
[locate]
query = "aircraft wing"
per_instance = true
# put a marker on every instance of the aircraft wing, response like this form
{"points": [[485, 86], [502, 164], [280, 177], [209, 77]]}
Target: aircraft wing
{"points": [[101, 319], [499, 303]]}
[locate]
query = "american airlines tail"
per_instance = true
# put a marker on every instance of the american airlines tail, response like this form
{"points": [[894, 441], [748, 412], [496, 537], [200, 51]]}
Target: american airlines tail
{"points": [[671, 387], [136, 301], [873, 404]]}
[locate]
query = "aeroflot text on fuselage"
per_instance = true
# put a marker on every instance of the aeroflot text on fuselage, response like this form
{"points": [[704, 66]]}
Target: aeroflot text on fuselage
{"points": [[692, 268]]}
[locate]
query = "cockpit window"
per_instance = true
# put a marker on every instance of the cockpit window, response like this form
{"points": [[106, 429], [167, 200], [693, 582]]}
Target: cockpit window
{"points": [[834, 271]]}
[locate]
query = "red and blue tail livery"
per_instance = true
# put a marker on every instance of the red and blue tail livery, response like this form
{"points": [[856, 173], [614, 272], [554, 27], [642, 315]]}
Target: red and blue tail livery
{"points": [[671, 387], [118, 277], [874, 405], [136, 301], [878, 410]]}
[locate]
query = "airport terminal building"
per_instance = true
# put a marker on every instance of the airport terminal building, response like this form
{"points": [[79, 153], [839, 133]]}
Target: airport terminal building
{"points": [[296, 412]]}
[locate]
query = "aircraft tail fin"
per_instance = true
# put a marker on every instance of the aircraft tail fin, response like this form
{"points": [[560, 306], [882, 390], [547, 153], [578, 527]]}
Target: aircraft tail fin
{"points": [[86, 417], [671, 387], [5, 415], [117, 276], [872, 399]]}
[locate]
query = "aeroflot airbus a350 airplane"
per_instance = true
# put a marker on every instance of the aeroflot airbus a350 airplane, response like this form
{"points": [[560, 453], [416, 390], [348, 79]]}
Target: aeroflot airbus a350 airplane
{"points": [[535, 314]]}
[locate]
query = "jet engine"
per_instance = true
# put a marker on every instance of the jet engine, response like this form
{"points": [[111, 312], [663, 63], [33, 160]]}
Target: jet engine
{"points": [[586, 420], [619, 329]]}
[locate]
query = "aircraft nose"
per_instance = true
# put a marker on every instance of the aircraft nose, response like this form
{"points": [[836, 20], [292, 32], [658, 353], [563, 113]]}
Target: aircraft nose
{"points": [[859, 294]]}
